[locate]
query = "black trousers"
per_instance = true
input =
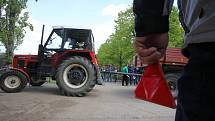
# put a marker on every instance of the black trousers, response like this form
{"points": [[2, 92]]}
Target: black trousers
{"points": [[125, 80], [196, 99]]}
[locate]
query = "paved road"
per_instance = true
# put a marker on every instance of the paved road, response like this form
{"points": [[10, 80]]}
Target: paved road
{"points": [[110, 102]]}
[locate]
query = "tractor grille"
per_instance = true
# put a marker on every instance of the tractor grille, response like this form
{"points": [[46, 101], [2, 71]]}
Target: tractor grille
{"points": [[20, 63]]}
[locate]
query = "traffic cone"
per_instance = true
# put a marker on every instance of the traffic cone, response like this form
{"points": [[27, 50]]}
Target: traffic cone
{"points": [[153, 87]]}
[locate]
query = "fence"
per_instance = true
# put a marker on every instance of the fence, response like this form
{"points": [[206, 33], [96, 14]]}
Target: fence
{"points": [[112, 76]]}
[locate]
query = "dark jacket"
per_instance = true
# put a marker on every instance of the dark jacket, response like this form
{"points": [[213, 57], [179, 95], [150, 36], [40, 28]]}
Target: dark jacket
{"points": [[197, 18]]}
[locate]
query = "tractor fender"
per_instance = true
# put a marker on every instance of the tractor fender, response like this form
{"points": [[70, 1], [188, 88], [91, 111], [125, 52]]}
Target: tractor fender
{"points": [[3, 70]]}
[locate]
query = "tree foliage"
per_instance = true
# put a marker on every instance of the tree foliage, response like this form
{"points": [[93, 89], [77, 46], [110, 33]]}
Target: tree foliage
{"points": [[176, 30], [118, 49], [13, 24]]}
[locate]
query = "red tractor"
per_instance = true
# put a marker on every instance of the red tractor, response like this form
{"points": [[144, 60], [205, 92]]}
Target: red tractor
{"points": [[67, 57]]}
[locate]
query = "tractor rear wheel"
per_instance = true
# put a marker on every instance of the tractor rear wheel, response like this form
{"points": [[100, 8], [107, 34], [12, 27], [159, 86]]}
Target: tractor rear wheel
{"points": [[171, 79], [76, 76], [13, 81]]}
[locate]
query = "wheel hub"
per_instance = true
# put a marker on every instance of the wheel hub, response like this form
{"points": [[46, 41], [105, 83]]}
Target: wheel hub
{"points": [[172, 85], [12, 82], [76, 77]]}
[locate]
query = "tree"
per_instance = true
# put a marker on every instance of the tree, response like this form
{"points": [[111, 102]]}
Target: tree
{"points": [[13, 24], [176, 30], [118, 49], [103, 54]]}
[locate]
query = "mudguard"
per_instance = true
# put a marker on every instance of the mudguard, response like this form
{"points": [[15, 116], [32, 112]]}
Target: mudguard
{"points": [[4, 70]]}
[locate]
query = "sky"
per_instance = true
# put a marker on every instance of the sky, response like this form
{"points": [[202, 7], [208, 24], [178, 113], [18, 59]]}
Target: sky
{"points": [[98, 15]]}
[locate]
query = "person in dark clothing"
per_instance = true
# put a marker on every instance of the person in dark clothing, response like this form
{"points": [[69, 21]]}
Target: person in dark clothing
{"points": [[135, 77], [125, 77], [72, 43], [130, 71], [196, 96], [109, 75]]}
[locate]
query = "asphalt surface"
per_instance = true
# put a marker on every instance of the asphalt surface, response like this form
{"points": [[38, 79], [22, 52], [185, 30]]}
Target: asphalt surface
{"points": [[110, 102]]}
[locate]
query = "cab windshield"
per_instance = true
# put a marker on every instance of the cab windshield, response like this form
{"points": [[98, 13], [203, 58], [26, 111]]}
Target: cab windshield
{"points": [[79, 39]]}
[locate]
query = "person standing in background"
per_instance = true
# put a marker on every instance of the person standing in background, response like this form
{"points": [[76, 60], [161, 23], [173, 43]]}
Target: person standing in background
{"points": [[130, 71], [125, 77], [135, 77]]}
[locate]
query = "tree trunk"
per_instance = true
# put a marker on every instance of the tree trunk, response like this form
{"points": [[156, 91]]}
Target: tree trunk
{"points": [[9, 45], [0, 18], [9, 50], [0, 13], [120, 59]]}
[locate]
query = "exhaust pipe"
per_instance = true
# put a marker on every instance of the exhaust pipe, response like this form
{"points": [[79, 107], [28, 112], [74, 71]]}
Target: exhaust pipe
{"points": [[42, 35]]}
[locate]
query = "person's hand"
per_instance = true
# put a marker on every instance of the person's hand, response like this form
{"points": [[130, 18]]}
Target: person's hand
{"points": [[151, 48]]}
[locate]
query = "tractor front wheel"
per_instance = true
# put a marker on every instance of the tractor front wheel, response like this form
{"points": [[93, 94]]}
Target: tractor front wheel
{"points": [[13, 81], [76, 76]]}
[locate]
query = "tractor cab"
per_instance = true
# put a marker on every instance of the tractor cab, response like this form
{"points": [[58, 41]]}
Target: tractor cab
{"points": [[66, 39], [64, 43]]}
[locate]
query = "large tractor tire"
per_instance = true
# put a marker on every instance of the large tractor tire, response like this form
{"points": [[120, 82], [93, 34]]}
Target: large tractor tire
{"points": [[76, 76], [13, 81], [171, 79]]}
